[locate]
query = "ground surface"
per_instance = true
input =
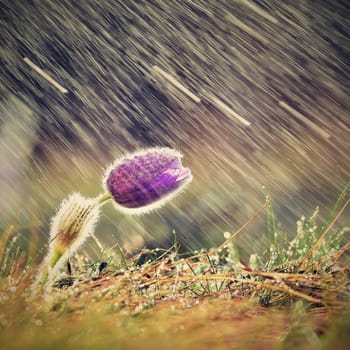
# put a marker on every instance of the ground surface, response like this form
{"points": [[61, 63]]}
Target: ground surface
{"points": [[267, 104]]}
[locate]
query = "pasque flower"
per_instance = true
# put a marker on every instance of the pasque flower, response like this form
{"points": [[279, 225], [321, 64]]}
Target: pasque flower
{"points": [[147, 179], [137, 183]]}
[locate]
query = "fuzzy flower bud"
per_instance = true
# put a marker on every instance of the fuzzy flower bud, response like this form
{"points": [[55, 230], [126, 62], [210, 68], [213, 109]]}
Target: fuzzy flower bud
{"points": [[74, 222], [146, 180]]}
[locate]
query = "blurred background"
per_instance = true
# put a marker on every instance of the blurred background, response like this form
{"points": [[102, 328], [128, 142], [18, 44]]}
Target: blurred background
{"points": [[252, 93]]}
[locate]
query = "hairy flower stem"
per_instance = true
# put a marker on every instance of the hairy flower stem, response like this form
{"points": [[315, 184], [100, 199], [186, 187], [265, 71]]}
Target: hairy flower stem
{"points": [[45, 274], [105, 197]]}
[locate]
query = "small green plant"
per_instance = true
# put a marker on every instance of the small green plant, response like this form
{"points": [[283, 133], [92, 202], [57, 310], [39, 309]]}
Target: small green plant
{"points": [[311, 244]]}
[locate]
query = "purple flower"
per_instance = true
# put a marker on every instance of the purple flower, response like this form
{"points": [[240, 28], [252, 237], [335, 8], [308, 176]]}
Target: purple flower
{"points": [[145, 180]]}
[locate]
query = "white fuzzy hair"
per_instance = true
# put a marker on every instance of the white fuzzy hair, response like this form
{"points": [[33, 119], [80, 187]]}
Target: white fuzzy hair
{"points": [[68, 216]]}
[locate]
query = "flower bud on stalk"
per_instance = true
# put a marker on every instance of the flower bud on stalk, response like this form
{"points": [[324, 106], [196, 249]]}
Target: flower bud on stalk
{"points": [[74, 222]]}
